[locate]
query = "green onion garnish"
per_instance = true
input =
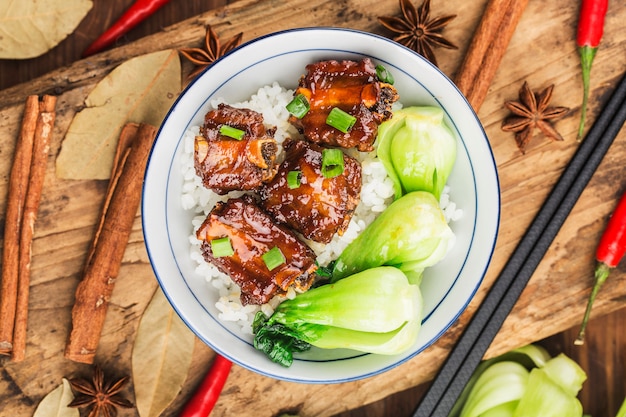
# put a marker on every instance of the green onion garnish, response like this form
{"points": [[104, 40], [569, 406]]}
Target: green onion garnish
{"points": [[332, 163], [273, 258], [340, 120], [293, 179], [232, 132], [299, 106], [384, 75], [221, 247]]}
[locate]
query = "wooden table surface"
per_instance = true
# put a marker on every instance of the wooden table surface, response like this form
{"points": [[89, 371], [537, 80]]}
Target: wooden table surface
{"points": [[541, 52]]}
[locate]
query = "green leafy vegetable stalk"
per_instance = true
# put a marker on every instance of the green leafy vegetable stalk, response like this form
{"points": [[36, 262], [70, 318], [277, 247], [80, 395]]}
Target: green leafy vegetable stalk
{"points": [[374, 311], [622, 410], [417, 149], [411, 234], [525, 382]]}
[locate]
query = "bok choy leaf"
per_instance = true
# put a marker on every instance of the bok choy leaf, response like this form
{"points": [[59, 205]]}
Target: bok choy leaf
{"points": [[411, 234], [374, 311], [417, 149], [526, 382]]}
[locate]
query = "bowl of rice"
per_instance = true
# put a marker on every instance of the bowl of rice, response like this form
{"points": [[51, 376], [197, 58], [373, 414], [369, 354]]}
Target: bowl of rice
{"points": [[262, 75]]}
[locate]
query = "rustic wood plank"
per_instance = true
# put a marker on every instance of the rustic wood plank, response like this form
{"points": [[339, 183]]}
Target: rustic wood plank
{"points": [[542, 52]]}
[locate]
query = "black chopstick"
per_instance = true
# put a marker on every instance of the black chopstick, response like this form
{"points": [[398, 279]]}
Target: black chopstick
{"points": [[488, 318]]}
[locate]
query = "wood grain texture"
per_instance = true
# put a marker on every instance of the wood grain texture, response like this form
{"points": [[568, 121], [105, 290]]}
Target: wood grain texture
{"points": [[542, 51]]}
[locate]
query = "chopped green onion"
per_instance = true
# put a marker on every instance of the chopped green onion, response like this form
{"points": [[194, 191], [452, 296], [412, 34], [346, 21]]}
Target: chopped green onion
{"points": [[293, 179], [299, 106], [273, 258], [221, 247], [232, 132], [332, 163], [384, 75], [340, 120]]}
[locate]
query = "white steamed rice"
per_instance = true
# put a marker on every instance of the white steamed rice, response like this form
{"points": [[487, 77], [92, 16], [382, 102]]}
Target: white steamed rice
{"points": [[376, 195]]}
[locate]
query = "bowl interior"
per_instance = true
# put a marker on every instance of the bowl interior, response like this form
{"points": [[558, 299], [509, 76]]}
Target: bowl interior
{"points": [[281, 57]]}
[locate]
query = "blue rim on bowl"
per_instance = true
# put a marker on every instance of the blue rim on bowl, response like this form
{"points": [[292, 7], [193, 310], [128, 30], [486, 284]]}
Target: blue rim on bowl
{"points": [[281, 57]]}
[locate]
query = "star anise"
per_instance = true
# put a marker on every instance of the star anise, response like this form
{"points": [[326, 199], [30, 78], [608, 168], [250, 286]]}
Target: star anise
{"points": [[417, 30], [530, 112], [102, 396], [213, 49]]}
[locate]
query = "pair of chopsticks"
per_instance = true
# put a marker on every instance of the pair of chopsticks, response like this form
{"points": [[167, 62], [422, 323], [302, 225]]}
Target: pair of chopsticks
{"points": [[487, 321]]}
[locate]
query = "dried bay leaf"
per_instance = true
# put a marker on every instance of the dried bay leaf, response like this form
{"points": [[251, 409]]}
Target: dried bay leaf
{"points": [[55, 403], [161, 357], [141, 90], [29, 28]]}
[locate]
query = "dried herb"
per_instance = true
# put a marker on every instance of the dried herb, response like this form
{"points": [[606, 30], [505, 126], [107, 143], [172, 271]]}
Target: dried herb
{"points": [[530, 112], [101, 395], [56, 401], [417, 30], [211, 51], [161, 356], [141, 89], [30, 28]]}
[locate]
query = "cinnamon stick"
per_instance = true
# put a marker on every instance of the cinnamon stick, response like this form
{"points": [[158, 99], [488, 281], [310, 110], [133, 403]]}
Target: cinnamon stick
{"points": [[39, 162], [103, 264], [18, 184], [25, 187], [487, 48], [124, 143]]}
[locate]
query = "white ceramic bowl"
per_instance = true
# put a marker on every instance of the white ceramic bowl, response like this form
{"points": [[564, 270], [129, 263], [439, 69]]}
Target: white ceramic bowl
{"points": [[282, 57]]}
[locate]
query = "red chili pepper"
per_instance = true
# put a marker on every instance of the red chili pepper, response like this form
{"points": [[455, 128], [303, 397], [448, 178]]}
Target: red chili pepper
{"points": [[590, 29], [134, 15], [609, 253], [205, 397]]}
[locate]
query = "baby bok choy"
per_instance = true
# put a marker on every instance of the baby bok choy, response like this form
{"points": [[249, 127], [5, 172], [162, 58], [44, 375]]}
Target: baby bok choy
{"points": [[374, 311], [526, 382], [411, 234], [417, 149]]}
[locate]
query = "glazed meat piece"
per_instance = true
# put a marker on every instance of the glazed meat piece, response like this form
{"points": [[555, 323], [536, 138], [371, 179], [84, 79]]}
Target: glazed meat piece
{"points": [[319, 207], [351, 86], [252, 233], [225, 163]]}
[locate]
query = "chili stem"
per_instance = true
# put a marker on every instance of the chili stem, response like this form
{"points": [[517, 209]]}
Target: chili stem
{"points": [[601, 274], [587, 53]]}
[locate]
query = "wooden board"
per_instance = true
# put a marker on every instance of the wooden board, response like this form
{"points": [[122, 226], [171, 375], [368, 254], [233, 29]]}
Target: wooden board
{"points": [[541, 52]]}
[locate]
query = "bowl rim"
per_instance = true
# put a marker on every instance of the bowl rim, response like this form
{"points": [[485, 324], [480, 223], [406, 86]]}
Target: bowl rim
{"points": [[490, 157]]}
